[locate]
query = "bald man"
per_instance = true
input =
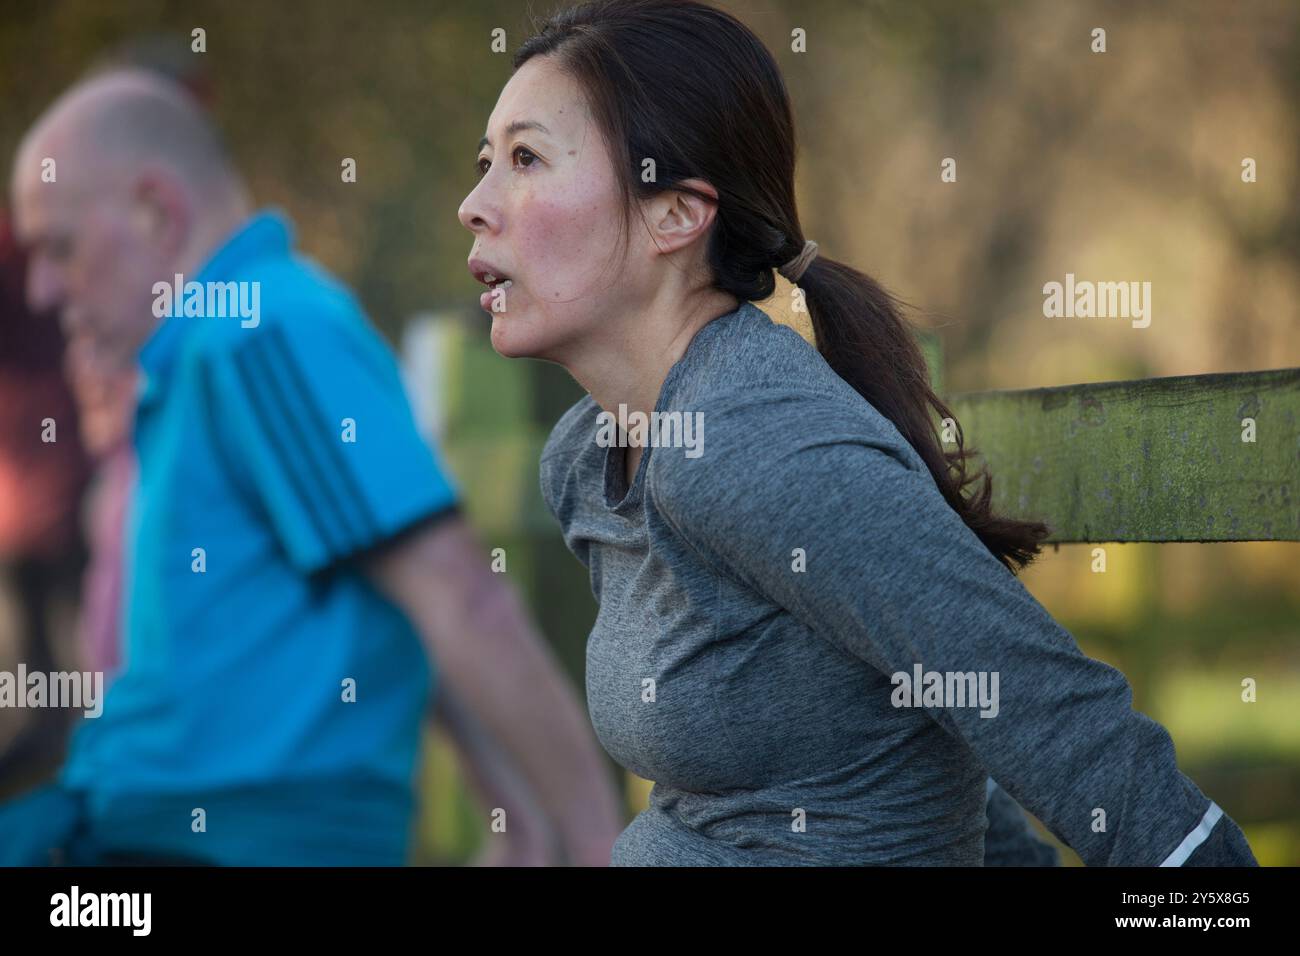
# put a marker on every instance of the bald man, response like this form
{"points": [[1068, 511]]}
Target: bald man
{"points": [[297, 558]]}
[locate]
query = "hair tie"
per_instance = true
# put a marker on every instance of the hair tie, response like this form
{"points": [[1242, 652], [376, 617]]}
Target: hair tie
{"points": [[794, 269]]}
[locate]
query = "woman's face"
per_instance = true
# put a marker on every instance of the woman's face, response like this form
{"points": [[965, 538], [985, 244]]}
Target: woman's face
{"points": [[545, 216]]}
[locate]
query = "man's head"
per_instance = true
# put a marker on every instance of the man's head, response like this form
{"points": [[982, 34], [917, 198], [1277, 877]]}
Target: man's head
{"points": [[122, 182]]}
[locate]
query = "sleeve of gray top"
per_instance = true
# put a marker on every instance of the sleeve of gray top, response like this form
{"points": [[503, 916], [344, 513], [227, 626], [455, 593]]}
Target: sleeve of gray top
{"points": [[891, 574], [1010, 839]]}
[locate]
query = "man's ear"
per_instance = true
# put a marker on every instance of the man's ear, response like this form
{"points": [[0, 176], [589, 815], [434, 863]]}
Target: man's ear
{"points": [[161, 208], [679, 217]]}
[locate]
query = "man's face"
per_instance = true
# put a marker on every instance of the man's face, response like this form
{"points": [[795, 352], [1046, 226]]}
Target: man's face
{"points": [[91, 258]]}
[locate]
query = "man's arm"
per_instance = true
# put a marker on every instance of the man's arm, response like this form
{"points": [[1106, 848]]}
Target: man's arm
{"points": [[529, 839], [493, 661]]}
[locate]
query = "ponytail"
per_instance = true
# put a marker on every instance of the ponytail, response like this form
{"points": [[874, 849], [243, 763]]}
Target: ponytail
{"points": [[861, 333]]}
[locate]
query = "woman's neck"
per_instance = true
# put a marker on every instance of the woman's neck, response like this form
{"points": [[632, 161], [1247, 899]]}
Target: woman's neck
{"points": [[629, 367]]}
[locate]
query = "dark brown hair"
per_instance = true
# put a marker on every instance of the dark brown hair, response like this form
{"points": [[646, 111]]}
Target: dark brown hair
{"points": [[693, 88]]}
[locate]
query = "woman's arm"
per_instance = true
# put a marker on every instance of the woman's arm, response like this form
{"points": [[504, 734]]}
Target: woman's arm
{"points": [[1010, 839], [895, 577]]}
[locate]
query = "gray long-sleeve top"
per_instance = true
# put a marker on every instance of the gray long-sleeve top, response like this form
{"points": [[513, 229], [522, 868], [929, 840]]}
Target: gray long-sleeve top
{"points": [[764, 593]]}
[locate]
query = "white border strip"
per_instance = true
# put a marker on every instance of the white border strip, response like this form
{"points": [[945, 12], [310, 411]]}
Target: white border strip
{"points": [[1196, 837]]}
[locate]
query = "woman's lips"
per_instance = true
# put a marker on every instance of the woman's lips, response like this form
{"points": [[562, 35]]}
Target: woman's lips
{"points": [[496, 294]]}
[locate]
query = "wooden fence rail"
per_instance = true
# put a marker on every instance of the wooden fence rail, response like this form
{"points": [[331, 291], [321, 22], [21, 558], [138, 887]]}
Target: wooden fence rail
{"points": [[1190, 458]]}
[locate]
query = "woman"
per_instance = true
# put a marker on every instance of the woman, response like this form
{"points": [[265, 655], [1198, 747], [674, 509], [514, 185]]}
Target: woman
{"points": [[775, 599]]}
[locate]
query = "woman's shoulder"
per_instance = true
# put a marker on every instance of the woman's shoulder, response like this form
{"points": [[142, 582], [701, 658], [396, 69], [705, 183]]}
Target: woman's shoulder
{"points": [[573, 429], [746, 437], [771, 418], [570, 446], [747, 351], [761, 388]]}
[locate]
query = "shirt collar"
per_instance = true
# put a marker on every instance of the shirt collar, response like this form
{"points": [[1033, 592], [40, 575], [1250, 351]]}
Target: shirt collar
{"points": [[268, 233]]}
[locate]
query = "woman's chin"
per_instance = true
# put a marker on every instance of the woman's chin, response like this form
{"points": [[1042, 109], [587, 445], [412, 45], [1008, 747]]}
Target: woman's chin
{"points": [[511, 338]]}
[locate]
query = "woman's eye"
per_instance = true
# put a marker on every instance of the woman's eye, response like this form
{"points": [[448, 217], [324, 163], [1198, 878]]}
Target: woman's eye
{"points": [[484, 164]]}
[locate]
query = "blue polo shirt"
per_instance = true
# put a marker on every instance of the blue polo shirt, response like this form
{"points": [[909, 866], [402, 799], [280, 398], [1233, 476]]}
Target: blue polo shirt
{"points": [[274, 445]]}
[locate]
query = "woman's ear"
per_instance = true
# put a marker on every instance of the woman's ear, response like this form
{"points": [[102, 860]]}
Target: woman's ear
{"points": [[679, 217]]}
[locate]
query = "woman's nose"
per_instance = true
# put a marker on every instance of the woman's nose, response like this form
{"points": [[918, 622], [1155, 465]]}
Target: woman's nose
{"points": [[473, 212]]}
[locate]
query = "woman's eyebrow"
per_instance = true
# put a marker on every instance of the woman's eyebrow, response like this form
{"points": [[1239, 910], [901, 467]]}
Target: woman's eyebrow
{"points": [[515, 127]]}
